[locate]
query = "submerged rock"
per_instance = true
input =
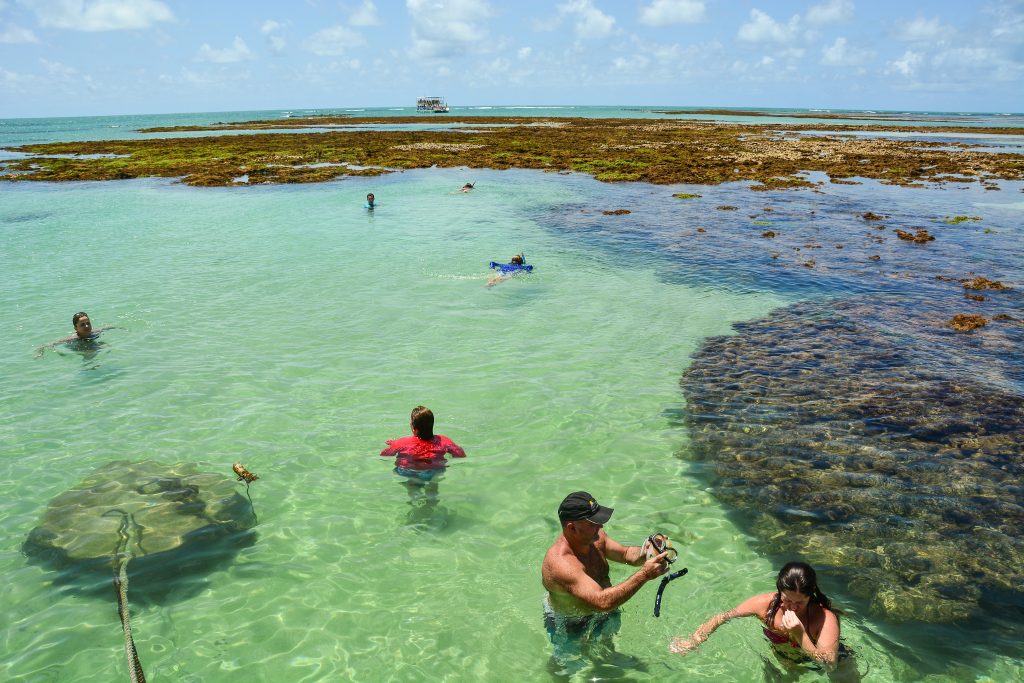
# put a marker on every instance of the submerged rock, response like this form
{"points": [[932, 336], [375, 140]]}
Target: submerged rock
{"points": [[833, 442], [920, 237], [170, 514], [967, 322], [983, 283]]}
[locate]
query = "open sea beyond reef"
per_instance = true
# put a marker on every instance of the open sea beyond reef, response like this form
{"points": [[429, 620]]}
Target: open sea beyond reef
{"points": [[757, 398]]}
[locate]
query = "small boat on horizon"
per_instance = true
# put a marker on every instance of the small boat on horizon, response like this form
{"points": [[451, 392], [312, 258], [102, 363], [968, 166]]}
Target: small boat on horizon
{"points": [[432, 105]]}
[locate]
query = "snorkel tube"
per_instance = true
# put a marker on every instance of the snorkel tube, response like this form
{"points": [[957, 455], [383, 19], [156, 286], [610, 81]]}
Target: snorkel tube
{"points": [[661, 589]]}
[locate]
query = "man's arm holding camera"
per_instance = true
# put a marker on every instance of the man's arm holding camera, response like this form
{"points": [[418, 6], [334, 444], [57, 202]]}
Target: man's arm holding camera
{"points": [[634, 555], [574, 579]]}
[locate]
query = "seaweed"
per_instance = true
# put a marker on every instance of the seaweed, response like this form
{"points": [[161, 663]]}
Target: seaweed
{"points": [[612, 150]]}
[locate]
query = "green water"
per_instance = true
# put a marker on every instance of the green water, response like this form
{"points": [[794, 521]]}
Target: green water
{"points": [[289, 329]]}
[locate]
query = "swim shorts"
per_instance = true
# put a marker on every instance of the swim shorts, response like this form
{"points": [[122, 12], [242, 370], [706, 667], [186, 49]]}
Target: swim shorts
{"points": [[423, 476]]}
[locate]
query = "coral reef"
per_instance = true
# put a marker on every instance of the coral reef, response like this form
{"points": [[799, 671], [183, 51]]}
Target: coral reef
{"points": [[660, 151], [833, 442]]}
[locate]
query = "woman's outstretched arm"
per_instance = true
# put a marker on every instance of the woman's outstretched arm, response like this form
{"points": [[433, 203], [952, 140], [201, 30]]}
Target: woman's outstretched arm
{"points": [[754, 606]]}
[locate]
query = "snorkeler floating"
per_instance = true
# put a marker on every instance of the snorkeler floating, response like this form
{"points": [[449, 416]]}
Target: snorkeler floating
{"points": [[506, 270], [467, 187]]}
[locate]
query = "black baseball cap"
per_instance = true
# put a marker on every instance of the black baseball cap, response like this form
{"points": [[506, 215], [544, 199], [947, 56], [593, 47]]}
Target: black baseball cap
{"points": [[581, 505]]}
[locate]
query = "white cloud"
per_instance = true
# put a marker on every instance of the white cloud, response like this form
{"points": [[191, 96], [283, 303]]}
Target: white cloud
{"points": [[907, 64], [524, 52], [631, 64], [447, 28], [188, 77], [1008, 22], [13, 33], [333, 41], [270, 29], [238, 52], [100, 15], [966, 57], [921, 29], [590, 21], [841, 53], [12, 79], [366, 15], [763, 29], [830, 12], [58, 70], [65, 79], [666, 12]]}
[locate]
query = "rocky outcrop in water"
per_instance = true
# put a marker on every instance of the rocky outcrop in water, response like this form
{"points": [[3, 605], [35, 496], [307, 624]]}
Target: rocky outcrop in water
{"points": [[171, 520], [834, 443]]}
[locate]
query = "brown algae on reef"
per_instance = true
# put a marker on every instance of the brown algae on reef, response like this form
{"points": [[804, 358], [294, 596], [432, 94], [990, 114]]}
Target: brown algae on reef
{"points": [[920, 237], [612, 150], [967, 322], [982, 283]]}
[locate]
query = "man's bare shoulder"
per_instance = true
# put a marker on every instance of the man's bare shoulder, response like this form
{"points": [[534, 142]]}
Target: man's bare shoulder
{"points": [[560, 564]]}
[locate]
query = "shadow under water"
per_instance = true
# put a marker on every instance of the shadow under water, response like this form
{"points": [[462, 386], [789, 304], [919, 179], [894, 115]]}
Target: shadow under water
{"points": [[170, 526], [851, 447]]}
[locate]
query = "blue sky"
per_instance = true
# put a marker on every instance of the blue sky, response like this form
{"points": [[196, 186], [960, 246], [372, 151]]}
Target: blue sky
{"points": [[82, 57]]}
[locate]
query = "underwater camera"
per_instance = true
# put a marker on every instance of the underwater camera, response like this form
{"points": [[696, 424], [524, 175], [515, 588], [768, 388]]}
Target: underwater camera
{"points": [[660, 543]]}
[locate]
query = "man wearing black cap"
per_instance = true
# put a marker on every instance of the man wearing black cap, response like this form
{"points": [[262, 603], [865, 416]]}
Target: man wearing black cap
{"points": [[582, 602]]}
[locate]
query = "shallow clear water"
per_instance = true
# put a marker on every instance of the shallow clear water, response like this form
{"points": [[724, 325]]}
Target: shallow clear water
{"points": [[289, 329]]}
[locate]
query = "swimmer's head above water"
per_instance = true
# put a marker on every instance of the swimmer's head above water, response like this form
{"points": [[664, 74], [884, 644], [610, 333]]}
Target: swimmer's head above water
{"points": [[83, 326], [422, 422], [797, 587]]}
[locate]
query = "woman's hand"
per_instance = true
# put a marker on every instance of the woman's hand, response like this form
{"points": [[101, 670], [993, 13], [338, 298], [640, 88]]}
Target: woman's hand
{"points": [[791, 622], [682, 646]]}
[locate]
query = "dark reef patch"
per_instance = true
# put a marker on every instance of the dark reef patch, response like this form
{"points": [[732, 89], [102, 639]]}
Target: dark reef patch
{"points": [[842, 444]]}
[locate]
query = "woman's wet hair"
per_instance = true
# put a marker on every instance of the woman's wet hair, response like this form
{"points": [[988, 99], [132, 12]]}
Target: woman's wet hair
{"points": [[801, 578], [423, 422], [78, 316]]}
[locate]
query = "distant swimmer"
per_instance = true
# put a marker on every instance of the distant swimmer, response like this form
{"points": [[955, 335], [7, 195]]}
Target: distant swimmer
{"points": [[83, 332], [467, 187], [370, 202], [514, 267]]}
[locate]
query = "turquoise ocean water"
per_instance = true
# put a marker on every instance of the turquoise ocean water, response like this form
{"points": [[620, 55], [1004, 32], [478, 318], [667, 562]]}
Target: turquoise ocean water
{"points": [[288, 328]]}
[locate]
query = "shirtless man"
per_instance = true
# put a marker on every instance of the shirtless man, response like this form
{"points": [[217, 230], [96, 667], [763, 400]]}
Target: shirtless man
{"points": [[582, 604]]}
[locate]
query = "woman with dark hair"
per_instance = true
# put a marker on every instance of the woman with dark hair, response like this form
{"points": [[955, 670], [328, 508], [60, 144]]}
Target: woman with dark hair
{"points": [[798, 618]]}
